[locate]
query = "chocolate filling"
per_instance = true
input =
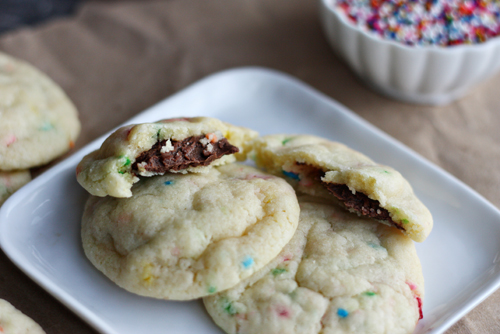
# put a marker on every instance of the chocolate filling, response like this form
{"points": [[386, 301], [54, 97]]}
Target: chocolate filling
{"points": [[185, 153], [360, 203]]}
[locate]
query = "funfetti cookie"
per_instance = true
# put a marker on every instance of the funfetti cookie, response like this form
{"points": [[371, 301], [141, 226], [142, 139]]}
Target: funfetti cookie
{"points": [[172, 145], [12, 181], [339, 274], [13, 321], [184, 236], [319, 167], [38, 122]]}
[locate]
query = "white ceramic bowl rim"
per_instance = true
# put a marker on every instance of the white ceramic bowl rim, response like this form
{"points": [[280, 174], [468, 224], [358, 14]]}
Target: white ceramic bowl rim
{"points": [[433, 48]]}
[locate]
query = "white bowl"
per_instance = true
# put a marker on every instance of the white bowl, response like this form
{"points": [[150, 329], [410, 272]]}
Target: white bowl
{"points": [[417, 74]]}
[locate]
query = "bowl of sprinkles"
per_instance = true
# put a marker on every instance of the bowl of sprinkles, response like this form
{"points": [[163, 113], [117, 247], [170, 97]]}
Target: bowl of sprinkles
{"points": [[418, 51]]}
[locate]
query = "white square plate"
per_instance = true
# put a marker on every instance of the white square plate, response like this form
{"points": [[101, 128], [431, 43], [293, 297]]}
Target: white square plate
{"points": [[40, 224]]}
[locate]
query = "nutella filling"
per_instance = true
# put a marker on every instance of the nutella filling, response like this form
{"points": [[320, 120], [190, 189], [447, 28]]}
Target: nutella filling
{"points": [[177, 155], [358, 201]]}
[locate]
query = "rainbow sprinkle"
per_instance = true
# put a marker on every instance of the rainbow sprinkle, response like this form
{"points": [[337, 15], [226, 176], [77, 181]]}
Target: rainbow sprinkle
{"points": [[228, 307], [342, 313], [426, 22], [283, 311], [10, 140], [247, 262], [47, 126], [291, 175], [278, 271]]}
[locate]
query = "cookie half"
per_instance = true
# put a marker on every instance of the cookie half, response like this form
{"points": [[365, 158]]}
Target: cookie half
{"points": [[172, 145], [13, 321], [12, 181], [38, 122], [340, 273], [184, 236], [319, 167]]}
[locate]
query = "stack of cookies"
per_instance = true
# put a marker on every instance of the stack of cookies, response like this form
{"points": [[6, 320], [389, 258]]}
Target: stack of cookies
{"points": [[319, 242], [38, 123]]}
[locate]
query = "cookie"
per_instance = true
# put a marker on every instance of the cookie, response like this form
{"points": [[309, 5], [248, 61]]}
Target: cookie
{"points": [[38, 122], [184, 236], [13, 321], [11, 181], [340, 273], [172, 145], [319, 167]]}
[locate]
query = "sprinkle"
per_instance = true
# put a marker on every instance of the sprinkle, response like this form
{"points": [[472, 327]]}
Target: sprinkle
{"points": [[419, 301], [369, 293], [167, 183], [342, 313], [283, 311], [47, 126], [214, 137], [10, 140], [229, 308], [372, 245], [71, 144], [425, 22], [386, 172], [278, 271], [211, 137], [212, 289], [127, 161], [412, 286], [247, 262], [291, 175], [285, 141], [405, 221]]}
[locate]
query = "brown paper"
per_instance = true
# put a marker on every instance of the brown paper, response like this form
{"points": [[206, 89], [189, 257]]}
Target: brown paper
{"points": [[116, 58]]}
